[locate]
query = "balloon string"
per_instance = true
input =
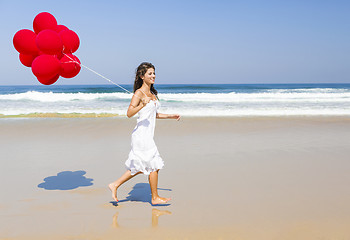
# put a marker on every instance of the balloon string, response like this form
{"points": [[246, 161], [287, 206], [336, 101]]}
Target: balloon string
{"points": [[100, 75]]}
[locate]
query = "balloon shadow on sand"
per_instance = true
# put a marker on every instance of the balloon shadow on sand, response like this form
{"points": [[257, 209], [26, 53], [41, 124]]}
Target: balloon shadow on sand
{"points": [[141, 192], [66, 180]]}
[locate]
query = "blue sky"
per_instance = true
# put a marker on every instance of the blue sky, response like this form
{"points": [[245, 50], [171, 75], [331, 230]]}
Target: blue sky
{"points": [[192, 41]]}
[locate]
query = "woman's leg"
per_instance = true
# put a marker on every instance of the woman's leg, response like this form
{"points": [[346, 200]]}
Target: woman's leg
{"points": [[153, 182], [114, 185]]}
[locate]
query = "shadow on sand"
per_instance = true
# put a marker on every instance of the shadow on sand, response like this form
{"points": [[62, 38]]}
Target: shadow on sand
{"points": [[141, 192], [66, 180]]}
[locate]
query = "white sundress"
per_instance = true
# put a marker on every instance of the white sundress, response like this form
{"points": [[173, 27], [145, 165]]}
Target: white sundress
{"points": [[144, 156]]}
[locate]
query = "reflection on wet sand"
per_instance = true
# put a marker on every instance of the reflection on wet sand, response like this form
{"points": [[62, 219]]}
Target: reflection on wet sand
{"points": [[156, 213], [115, 220]]}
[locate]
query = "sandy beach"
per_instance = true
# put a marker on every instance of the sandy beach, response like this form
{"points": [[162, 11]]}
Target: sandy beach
{"points": [[229, 178]]}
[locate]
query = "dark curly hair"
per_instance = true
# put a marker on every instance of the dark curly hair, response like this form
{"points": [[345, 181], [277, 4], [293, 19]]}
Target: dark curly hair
{"points": [[141, 71]]}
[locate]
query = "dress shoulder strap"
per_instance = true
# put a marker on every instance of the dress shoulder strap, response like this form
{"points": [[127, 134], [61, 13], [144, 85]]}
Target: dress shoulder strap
{"points": [[143, 92], [146, 94]]}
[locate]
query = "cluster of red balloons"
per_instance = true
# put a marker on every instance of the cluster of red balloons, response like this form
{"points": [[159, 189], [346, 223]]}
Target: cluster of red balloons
{"points": [[49, 49]]}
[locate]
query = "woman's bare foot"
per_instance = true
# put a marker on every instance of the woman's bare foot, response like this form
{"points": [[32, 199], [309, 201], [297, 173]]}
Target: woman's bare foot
{"points": [[113, 189], [160, 200]]}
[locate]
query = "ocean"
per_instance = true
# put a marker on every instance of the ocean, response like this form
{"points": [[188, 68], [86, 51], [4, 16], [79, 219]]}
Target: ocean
{"points": [[240, 100]]}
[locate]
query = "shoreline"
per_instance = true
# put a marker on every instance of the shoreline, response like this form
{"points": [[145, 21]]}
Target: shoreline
{"points": [[60, 115], [118, 116]]}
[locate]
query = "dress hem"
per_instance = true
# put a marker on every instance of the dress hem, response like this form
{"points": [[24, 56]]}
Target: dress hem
{"points": [[134, 171]]}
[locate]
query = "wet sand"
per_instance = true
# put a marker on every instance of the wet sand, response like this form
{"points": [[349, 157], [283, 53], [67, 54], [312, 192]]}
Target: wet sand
{"points": [[229, 178]]}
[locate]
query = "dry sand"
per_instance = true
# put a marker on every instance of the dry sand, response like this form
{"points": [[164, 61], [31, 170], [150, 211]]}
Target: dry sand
{"points": [[229, 178]]}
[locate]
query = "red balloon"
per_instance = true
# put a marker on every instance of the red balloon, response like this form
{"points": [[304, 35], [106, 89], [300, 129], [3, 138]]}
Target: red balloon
{"points": [[61, 28], [46, 67], [27, 60], [59, 56], [44, 21], [48, 81], [24, 42], [70, 41], [49, 42], [70, 66]]}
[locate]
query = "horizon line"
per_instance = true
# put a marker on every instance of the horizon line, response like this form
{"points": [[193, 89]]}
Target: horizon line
{"points": [[294, 83]]}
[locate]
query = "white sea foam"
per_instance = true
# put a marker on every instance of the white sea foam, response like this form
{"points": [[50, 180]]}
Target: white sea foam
{"points": [[274, 102], [196, 112], [307, 95], [62, 97], [257, 97]]}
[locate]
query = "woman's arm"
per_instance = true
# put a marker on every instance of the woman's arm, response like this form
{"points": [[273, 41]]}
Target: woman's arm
{"points": [[168, 116], [136, 104]]}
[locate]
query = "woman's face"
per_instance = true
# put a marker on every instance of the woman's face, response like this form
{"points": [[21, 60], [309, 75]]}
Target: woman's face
{"points": [[149, 76]]}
